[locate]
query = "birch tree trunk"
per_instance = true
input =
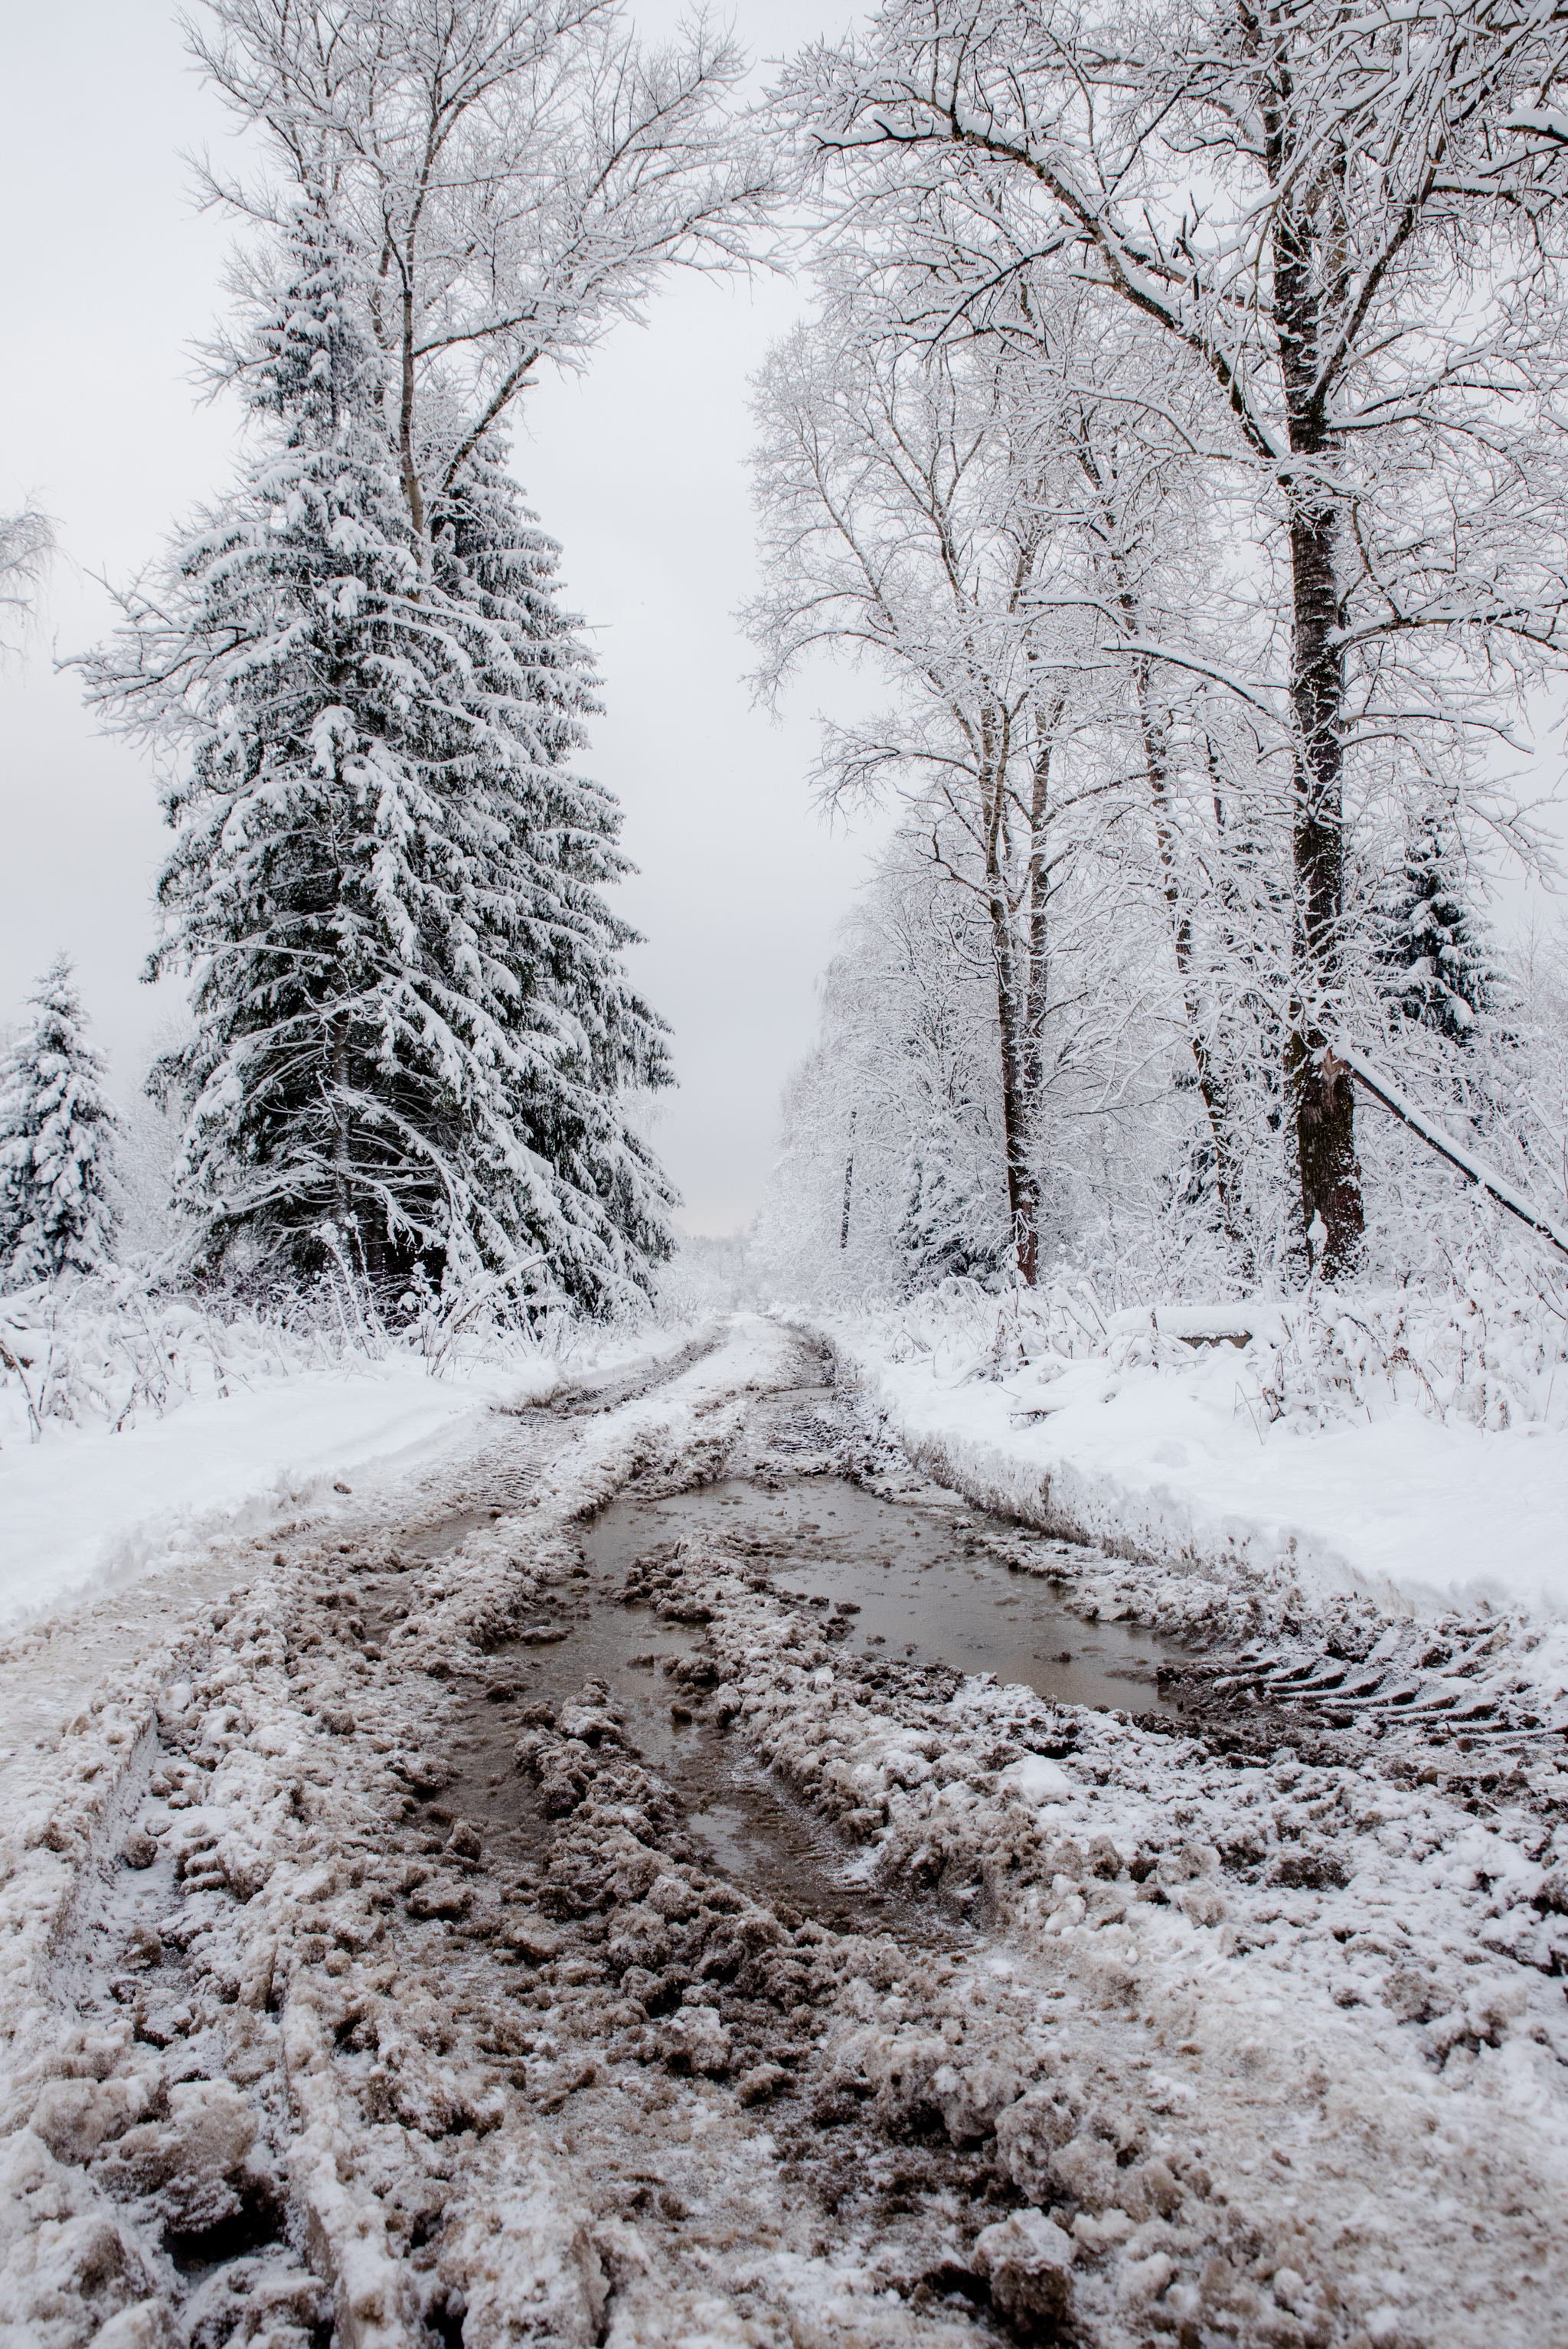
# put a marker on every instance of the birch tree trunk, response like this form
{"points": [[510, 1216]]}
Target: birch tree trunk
{"points": [[1154, 735], [848, 1183]]}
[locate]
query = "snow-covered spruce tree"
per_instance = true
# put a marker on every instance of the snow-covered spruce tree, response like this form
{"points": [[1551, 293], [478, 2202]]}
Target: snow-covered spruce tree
{"points": [[409, 1017], [1435, 960], [56, 1142], [950, 1226]]}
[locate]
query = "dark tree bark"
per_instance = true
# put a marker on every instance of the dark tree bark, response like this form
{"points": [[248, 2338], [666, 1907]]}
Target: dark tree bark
{"points": [[1318, 1093], [342, 1173]]}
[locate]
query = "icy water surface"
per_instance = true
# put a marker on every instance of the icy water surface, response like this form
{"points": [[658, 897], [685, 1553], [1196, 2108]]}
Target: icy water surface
{"points": [[927, 1589]]}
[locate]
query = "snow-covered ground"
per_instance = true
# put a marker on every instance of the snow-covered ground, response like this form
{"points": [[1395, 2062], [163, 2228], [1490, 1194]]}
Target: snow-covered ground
{"points": [[1176, 1440], [88, 1505], [366, 1973]]}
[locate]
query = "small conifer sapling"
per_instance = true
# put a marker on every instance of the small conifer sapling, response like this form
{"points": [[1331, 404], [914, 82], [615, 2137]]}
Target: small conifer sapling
{"points": [[58, 1131]]}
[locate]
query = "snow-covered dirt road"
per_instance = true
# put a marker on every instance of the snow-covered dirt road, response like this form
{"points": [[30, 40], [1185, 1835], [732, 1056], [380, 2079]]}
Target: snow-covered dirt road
{"points": [[495, 1918]]}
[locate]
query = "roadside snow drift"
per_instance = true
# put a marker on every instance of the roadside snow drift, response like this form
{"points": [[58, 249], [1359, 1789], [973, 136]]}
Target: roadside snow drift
{"points": [[88, 1505], [1312, 1451]]}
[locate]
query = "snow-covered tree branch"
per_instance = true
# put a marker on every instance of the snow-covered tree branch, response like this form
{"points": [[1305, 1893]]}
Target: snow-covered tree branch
{"points": [[512, 176], [1347, 228], [26, 551]]}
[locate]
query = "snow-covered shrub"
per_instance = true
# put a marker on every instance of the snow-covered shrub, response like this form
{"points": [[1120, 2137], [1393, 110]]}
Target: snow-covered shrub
{"points": [[114, 1349], [124, 1345], [1489, 1349], [139, 1341]]}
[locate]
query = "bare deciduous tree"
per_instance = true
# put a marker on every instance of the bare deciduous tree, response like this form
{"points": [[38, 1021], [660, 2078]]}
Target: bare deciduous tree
{"points": [[927, 510], [26, 549], [515, 175], [1343, 220]]}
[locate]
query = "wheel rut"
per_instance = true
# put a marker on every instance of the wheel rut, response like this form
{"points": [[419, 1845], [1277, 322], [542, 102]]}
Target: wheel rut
{"points": [[572, 1917]]}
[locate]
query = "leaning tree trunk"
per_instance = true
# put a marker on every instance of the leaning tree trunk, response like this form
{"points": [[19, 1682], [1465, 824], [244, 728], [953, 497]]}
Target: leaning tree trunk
{"points": [[1317, 1086]]}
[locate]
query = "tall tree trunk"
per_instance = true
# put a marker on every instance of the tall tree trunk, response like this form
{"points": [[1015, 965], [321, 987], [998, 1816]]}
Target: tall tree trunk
{"points": [[1317, 1086], [1023, 1191], [848, 1183], [1156, 743], [1038, 991], [1037, 997], [342, 1194]]}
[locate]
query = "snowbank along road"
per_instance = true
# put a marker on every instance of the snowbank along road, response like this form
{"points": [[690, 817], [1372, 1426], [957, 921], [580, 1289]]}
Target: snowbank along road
{"points": [[504, 1921]]}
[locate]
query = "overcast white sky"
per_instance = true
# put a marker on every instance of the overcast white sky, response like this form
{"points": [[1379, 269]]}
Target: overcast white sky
{"points": [[638, 469]]}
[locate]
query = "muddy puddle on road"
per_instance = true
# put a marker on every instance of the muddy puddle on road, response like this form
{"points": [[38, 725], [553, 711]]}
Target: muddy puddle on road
{"points": [[744, 1822], [928, 1588]]}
